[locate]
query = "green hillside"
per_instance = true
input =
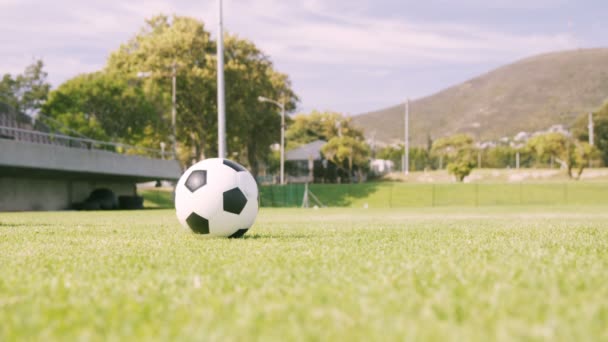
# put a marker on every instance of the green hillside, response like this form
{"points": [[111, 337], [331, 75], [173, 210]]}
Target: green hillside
{"points": [[529, 95]]}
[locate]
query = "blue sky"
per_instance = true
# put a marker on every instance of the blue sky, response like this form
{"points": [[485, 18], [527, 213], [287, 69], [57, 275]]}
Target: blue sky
{"points": [[348, 56]]}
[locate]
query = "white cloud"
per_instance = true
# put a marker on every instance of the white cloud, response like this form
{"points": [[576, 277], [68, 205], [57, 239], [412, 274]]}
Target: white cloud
{"points": [[302, 37], [361, 40]]}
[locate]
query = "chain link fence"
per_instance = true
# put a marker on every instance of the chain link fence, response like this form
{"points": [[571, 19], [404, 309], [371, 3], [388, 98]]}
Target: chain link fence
{"points": [[401, 195]]}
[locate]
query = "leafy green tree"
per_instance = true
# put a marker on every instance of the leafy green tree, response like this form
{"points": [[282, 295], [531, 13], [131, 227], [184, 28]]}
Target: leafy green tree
{"points": [[580, 157], [184, 42], [27, 92], [570, 153], [306, 128], [600, 130], [548, 146], [392, 153], [255, 126], [8, 93], [459, 151], [103, 106], [420, 158], [348, 153]]}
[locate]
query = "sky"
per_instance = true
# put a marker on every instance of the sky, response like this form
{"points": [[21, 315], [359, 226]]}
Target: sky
{"points": [[350, 56]]}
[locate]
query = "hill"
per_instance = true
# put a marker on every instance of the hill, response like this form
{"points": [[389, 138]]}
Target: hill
{"points": [[529, 95]]}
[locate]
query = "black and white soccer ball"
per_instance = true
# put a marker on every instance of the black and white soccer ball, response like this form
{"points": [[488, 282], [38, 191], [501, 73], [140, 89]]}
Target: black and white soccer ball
{"points": [[217, 197]]}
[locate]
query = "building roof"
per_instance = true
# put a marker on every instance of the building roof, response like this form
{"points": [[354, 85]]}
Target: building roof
{"points": [[304, 152]]}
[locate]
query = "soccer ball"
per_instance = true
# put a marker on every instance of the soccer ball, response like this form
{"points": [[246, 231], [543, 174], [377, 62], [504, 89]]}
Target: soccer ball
{"points": [[217, 197]]}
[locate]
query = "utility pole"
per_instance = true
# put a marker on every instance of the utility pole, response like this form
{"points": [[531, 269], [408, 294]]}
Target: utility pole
{"points": [[591, 133], [282, 143], [406, 161], [221, 105], [477, 127]]}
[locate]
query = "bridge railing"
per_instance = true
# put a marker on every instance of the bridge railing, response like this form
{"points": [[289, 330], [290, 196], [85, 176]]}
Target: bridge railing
{"points": [[20, 134]]}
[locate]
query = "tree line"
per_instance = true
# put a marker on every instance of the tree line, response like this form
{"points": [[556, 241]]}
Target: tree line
{"points": [[130, 99], [460, 155]]}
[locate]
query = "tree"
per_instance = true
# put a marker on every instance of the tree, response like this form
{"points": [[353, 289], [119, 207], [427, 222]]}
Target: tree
{"points": [[182, 41], [420, 158], [255, 126], [347, 153], [104, 106], [502, 156], [549, 146], [27, 92], [570, 153], [346, 149], [392, 153], [600, 128], [306, 128], [581, 156], [459, 151], [8, 93]]}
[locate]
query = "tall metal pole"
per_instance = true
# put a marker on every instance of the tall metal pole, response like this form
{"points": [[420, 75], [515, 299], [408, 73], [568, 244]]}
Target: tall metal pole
{"points": [[591, 133], [221, 106], [282, 143], [406, 167], [477, 126], [173, 109]]}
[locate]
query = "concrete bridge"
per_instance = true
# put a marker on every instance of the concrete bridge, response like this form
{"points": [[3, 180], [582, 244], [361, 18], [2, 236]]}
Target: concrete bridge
{"points": [[45, 171]]}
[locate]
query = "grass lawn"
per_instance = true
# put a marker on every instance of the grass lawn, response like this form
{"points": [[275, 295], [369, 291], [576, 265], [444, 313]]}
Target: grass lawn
{"points": [[403, 195], [381, 195], [491, 273]]}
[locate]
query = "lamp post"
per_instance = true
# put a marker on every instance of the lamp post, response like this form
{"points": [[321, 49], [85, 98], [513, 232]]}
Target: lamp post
{"points": [[282, 106], [590, 128], [406, 145], [591, 134], [221, 104], [477, 127]]}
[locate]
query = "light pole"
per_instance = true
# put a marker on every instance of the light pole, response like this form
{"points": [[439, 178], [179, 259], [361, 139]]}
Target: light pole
{"points": [[282, 106], [517, 154], [406, 166], [590, 128], [221, 105], [477, 127], [591, 134]]}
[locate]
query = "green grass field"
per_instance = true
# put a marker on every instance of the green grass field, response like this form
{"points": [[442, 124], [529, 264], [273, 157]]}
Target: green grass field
{"points": [[380, 195], [452, 273]]}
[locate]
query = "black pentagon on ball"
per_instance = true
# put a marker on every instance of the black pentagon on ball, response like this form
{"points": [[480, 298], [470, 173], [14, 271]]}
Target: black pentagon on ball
{"points": [[239, 233], [198, 224], [234, 201], [236, 167], [196, 180]]}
